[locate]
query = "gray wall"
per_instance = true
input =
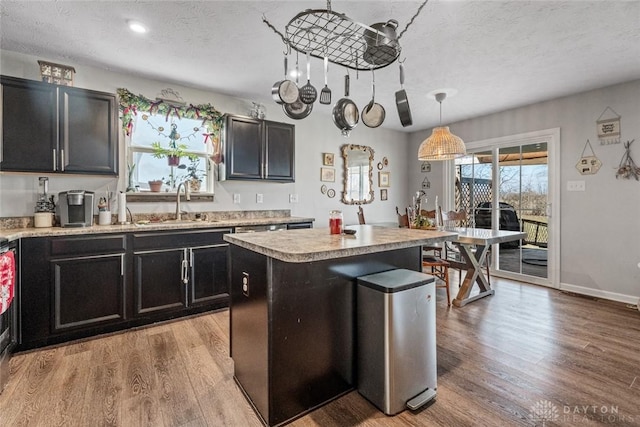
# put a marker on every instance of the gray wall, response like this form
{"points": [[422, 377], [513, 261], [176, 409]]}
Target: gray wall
{"points": [[314, 135], [599, 228]]}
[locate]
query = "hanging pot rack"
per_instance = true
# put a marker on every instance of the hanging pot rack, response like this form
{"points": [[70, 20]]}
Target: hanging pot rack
{"points": [[323, 32]]}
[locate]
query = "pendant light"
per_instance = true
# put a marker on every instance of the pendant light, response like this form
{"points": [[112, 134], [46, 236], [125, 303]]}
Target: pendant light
{"points": [[442, 144]]}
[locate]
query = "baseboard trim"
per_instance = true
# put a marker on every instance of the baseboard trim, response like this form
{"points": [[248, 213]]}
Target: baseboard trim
{"points": [[627, 299]]}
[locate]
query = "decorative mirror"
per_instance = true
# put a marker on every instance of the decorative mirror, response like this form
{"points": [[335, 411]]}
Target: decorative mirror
{"points": [[358, 174]]}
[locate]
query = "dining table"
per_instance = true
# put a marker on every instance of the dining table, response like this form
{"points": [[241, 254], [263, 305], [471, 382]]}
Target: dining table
{"points": [[474, 244]]}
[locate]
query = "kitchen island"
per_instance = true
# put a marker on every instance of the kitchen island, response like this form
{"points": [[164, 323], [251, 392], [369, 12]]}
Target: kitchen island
{"points": [[293, 310]]}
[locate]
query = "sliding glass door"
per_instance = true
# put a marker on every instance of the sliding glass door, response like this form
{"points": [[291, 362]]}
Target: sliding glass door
{"points": [[508, 184]]}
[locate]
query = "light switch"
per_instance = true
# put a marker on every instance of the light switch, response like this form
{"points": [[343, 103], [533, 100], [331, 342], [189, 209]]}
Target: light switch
{"points": [[576, 186], [236, 198], [259, 198], [293, 198]]}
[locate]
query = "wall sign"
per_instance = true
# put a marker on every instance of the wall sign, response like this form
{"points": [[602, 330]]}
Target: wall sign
{"points": [[609, 128], [588, 165]]}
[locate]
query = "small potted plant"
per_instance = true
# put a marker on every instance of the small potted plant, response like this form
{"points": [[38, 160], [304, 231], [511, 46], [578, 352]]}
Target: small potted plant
{"points": [[155, 185], [172, 153], [194, 174]]}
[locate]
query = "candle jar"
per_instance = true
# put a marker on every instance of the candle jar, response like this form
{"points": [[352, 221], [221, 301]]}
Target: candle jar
{"points": [[335, 222]]}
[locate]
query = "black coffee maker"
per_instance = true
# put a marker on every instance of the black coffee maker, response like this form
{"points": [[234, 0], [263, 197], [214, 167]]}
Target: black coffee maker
{"points": [[76, 208]]}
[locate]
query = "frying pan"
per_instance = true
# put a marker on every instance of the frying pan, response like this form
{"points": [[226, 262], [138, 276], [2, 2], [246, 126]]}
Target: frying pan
{"points": [[345, 111], [284, 91], [373, 113], [404, 112], [297, 110]]}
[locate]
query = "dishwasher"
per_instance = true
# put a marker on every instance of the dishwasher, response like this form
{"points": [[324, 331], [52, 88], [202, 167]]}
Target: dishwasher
{"points": [[258, 228]]}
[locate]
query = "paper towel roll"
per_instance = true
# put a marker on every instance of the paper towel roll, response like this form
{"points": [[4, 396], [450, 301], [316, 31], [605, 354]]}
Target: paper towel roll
{"points": [[122, 207]]}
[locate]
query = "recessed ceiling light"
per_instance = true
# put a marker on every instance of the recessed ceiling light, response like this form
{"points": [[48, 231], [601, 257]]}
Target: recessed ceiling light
{"points": [[137, 27]]}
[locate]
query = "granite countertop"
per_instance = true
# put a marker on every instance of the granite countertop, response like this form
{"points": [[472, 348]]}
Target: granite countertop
{"points": [[316, 244], [19, 233]]}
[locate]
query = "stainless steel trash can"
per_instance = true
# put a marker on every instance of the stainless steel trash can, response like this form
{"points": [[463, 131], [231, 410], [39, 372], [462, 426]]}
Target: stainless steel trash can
{"points": [[396, 350]]}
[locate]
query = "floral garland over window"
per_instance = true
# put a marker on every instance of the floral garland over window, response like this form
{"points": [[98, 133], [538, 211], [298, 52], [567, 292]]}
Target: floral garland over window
{"points": [[212, 120]]}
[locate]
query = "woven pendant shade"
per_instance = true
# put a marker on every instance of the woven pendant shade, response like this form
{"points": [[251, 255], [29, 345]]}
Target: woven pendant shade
{"points": [[441, 145]]}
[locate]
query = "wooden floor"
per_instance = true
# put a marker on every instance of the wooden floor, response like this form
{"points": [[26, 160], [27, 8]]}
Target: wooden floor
{"points": [[525, 356]]}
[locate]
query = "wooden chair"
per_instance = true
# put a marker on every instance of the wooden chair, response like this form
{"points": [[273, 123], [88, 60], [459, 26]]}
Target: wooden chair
{"points": [[403, 219], [431, 259], [439, 268], [361, 216], [450, 220]]}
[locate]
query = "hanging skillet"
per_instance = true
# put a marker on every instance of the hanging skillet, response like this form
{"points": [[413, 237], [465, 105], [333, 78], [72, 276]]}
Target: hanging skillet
{"points": [[285, 90], [345, 111], [297, 109], [404, 112], [373, 114]]}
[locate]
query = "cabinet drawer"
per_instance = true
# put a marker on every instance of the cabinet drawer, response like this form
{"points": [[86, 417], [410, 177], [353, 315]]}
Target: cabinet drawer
{"points": [[88, 245], [173, 239]]}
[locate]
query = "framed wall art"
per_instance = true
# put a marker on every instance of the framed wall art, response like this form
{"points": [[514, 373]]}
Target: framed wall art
{"points": [[327, 159], [327, 174], [383, 194], [384, 179]]}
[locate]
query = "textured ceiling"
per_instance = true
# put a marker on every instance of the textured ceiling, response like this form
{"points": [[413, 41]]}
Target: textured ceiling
{"points": [[495, 54]]}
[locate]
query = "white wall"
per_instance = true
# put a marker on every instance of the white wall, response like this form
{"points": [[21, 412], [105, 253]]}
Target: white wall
{"points": [[314, 135], [599, 228]]}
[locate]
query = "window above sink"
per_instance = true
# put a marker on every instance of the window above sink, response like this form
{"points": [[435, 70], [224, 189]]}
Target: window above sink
{"points": [[156, 131]]}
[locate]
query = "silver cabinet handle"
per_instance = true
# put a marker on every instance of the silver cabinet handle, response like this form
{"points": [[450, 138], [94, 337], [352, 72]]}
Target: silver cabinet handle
{"points": [[62, 159], [55, 159]]}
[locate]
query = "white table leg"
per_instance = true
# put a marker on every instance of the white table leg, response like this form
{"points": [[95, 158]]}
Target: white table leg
{"points": [[474, 274]]}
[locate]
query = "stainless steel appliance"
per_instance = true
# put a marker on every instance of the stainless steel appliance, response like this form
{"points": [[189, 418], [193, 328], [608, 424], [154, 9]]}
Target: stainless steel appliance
{"points": [[396, 325], [75, 208], [258, 228], [8, 329]]}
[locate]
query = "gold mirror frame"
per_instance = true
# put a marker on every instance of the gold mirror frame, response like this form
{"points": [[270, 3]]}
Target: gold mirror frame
{"points": [[364, 198]]}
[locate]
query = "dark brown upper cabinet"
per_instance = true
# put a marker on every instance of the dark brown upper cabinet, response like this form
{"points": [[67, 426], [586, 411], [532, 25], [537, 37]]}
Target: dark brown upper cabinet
{"points": [[258, 150], [51, 128]]}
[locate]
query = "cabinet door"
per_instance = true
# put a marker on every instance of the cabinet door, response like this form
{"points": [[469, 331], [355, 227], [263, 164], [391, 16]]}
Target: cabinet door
{"points": [[29, 126], [208, 274], [158, 280], [243, 148], [88, 291], [279, 152], [88, 132]]}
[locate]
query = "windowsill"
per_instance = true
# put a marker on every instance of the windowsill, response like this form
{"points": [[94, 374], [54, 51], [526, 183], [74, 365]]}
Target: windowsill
{"points": [[167, 196]]}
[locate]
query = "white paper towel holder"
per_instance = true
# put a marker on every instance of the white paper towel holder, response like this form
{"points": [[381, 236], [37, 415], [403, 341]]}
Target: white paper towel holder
{"points": [[122, 208]]}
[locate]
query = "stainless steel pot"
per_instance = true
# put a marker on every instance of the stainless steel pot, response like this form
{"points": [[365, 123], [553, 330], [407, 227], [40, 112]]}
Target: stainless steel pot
{"points": [[382, 44], [345, 111], [284, 91], [297, 110], [373, 114]]}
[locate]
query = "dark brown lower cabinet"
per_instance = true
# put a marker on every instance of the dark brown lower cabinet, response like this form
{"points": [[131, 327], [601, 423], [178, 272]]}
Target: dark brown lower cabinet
{"points": [[179, 271], [78, 286], [88, 291], [157, 281]]}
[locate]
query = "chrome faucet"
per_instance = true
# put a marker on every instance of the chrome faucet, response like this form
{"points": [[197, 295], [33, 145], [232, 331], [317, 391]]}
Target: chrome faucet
{"points": [[187, 195]]}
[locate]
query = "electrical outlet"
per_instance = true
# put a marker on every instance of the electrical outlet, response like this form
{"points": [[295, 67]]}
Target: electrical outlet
{"points": [[293, 198], [575, 186], [245, 283], [259, 198], [236, 198]]}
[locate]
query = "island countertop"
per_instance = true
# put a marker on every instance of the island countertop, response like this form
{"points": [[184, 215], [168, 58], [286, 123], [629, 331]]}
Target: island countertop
{"points": [[316, 244]]}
